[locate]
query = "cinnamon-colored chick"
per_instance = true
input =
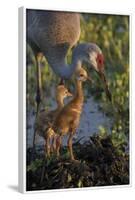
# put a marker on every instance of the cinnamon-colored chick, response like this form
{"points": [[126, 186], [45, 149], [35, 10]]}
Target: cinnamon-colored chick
{"points": [[68, 118], [45, 119]]}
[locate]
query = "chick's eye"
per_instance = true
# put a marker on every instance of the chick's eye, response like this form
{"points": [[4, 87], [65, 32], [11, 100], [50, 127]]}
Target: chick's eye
{"points": [[81, 75]]}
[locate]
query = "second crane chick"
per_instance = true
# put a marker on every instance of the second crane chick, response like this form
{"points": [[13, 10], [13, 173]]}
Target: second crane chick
{"points": [[68, 119], [45, 119]]}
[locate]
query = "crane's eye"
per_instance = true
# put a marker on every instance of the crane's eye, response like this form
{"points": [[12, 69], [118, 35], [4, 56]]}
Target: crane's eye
{"points": [[100, 60]]}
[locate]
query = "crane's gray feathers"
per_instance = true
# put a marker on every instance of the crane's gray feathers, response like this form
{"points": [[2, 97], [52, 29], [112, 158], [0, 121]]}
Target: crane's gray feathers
{"points": [[85, 49], [51, 28], [55, 33]]}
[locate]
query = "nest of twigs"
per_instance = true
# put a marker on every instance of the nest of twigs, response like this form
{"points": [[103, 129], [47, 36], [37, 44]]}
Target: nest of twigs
{"points": [[100, 165]]}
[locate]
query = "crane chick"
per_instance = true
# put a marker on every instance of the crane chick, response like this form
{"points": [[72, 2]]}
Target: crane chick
{"points": [[45, 119], [68, 118]]}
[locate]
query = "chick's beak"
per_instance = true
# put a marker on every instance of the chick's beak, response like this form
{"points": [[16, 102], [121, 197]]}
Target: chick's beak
{"points": [[103, 78], [69, 94]]}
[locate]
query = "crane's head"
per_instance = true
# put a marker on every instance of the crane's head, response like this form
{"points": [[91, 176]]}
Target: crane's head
{"points": [[93, 55]]}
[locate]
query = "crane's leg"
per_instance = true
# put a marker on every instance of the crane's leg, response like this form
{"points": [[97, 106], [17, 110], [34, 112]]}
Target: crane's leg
{"points": [[39, 57], [70, 146]]}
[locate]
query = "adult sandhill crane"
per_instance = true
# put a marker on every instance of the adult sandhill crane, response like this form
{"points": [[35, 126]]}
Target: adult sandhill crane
{"points": [[54, 33]]}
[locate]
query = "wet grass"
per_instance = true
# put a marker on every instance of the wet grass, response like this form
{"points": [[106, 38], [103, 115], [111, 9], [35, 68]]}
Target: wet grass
{"points": [[100, 165]]}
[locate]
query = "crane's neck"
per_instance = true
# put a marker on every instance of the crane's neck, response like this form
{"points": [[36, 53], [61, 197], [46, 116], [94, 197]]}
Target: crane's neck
{"points": [[62, 69]]}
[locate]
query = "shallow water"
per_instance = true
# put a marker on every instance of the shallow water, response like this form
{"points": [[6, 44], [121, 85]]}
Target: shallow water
{"points": [[91, 119]]}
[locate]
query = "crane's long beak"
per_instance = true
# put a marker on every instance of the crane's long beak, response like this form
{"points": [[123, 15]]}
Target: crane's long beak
{"points": [[103, 78]]}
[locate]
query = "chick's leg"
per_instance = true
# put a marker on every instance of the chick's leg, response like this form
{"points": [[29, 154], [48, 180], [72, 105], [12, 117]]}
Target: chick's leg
{"points": [[53, 145], [48, 147], [48, 135], [70, 146], [58, 144]]}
